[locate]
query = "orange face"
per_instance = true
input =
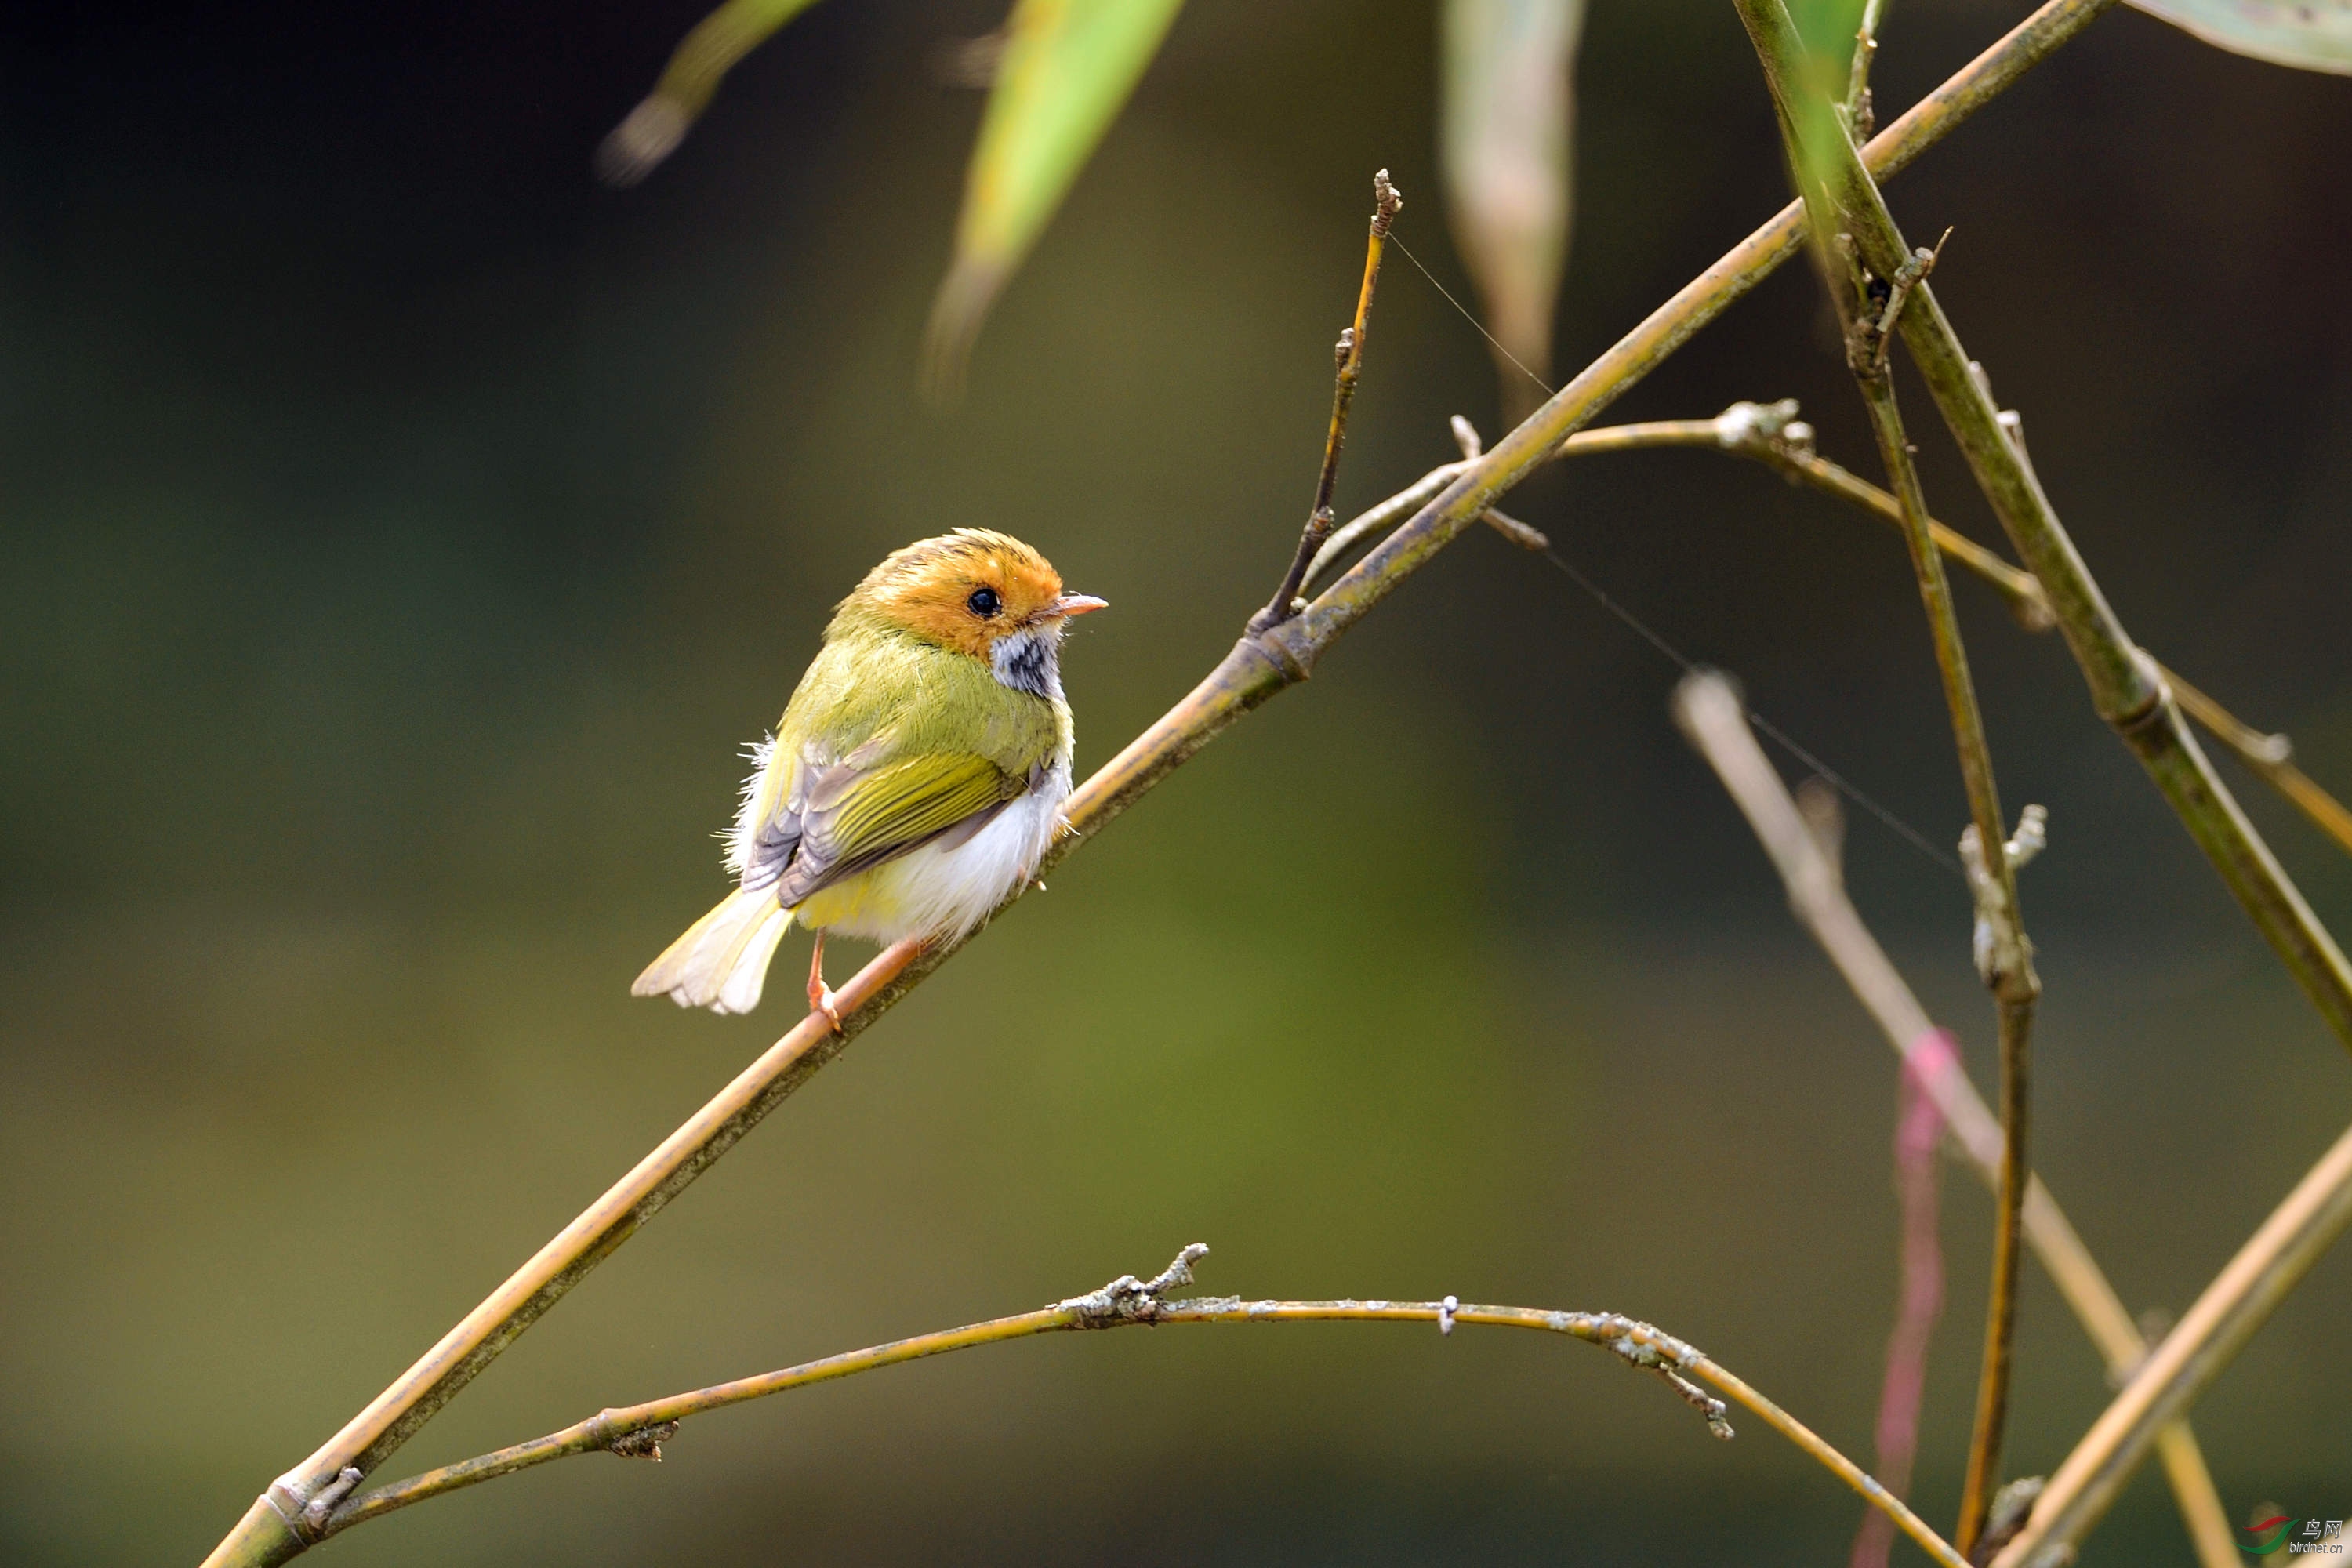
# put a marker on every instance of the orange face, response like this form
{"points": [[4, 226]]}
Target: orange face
{"points": [[965, 590]]}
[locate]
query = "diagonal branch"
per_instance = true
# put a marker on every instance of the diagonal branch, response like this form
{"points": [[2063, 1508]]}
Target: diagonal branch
{"points": [[637, 1431], [1709, 709], [278, 1526], [2207, 1337]]}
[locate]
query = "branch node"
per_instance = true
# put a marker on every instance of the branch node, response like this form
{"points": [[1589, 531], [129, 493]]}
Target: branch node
{"points": [[1870, 336], [1715, 1411], [1387, 202], [1759, 428], [642, 1442], [1445, 1310], [1999, 946], [315, 1511], [1645, 1346], [2031, 837], [2012, 1506], [2011, 423], [1127, 1299]]}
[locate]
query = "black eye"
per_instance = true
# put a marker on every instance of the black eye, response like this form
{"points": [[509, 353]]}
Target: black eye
{"points": [[983, 603]]}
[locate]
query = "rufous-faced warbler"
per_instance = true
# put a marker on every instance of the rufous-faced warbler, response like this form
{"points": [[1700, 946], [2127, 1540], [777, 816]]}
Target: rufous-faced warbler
{"points": [[915, 779]]}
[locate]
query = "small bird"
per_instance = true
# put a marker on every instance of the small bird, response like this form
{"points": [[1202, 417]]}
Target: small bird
{"points": [[915, 779]]}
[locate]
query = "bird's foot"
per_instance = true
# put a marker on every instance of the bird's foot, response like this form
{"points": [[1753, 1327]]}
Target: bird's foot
{"points": [[824, 999]]}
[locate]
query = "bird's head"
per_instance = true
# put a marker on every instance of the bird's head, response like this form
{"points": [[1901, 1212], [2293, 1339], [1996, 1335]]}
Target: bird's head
{"points": [[980, 594]]}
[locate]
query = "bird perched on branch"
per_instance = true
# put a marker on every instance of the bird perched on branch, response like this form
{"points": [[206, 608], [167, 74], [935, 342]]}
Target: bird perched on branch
{"points": [[915, 779]]}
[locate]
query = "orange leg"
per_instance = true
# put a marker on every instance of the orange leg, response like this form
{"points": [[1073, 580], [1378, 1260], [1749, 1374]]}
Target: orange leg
{"points": [[820, 994]]}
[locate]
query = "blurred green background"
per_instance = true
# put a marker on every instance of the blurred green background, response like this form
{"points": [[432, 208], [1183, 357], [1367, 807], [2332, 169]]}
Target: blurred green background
{"points": [[403, 532]]}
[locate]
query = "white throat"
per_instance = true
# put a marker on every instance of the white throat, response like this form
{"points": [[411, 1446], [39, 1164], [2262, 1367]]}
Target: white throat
{"points": [[1031, 660]]}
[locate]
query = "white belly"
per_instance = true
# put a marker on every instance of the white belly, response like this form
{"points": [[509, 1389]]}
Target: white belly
{"points": [[944, 892]]}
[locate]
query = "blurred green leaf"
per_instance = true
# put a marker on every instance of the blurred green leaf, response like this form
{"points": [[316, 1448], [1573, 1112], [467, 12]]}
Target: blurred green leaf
{"points": [[1068, 66], [1506, 130], [1828, 28], [704, 57], [2315, 35]]}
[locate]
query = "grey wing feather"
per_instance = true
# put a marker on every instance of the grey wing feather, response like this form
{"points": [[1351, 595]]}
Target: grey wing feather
{"points": [[819, 783], [794, 851], [820, 863]]}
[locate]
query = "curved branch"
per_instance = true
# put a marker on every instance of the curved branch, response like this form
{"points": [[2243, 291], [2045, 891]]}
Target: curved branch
{"points": [[637, 1431]]}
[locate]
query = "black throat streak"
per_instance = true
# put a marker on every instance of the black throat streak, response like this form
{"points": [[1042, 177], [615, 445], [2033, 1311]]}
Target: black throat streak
{"points": [[1027, 664]]}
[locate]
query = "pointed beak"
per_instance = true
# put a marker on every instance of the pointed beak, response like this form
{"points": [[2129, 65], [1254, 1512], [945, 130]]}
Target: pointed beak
{"points": [[1076, 605]]}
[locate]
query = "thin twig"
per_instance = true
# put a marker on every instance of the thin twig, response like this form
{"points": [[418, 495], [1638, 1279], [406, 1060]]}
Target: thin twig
{"points": [[1403, 504], [1870, 310], [1349, 366], [2270, 756], [2207, 1337], [1407, 500], [1711, 712], [1771, 434], [273, 1530], [637, 1430], [1857, 107], [2005, 955]]}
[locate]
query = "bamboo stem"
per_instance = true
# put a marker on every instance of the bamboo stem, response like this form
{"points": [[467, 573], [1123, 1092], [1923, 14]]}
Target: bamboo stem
{"points": [[1836, 201], [2127, 688], [638, 1431], [1710, 712], [2207, 1337], [276, 1527], [2009, 971]]}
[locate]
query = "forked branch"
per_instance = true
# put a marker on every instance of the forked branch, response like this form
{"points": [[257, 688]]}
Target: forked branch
{"points": [[637, 1431]]}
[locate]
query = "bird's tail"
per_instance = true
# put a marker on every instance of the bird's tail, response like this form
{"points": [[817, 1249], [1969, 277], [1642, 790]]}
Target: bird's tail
{"points": [[721, 961]]}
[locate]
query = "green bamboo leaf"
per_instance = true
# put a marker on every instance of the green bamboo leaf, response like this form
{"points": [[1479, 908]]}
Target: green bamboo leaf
{"points": [[2312, 35], [1068, 67], [704, 57], [1827, 29], [1505, 132]]}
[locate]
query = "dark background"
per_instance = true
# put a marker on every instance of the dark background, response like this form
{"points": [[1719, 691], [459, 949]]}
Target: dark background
{"points": [[403, 532]]}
